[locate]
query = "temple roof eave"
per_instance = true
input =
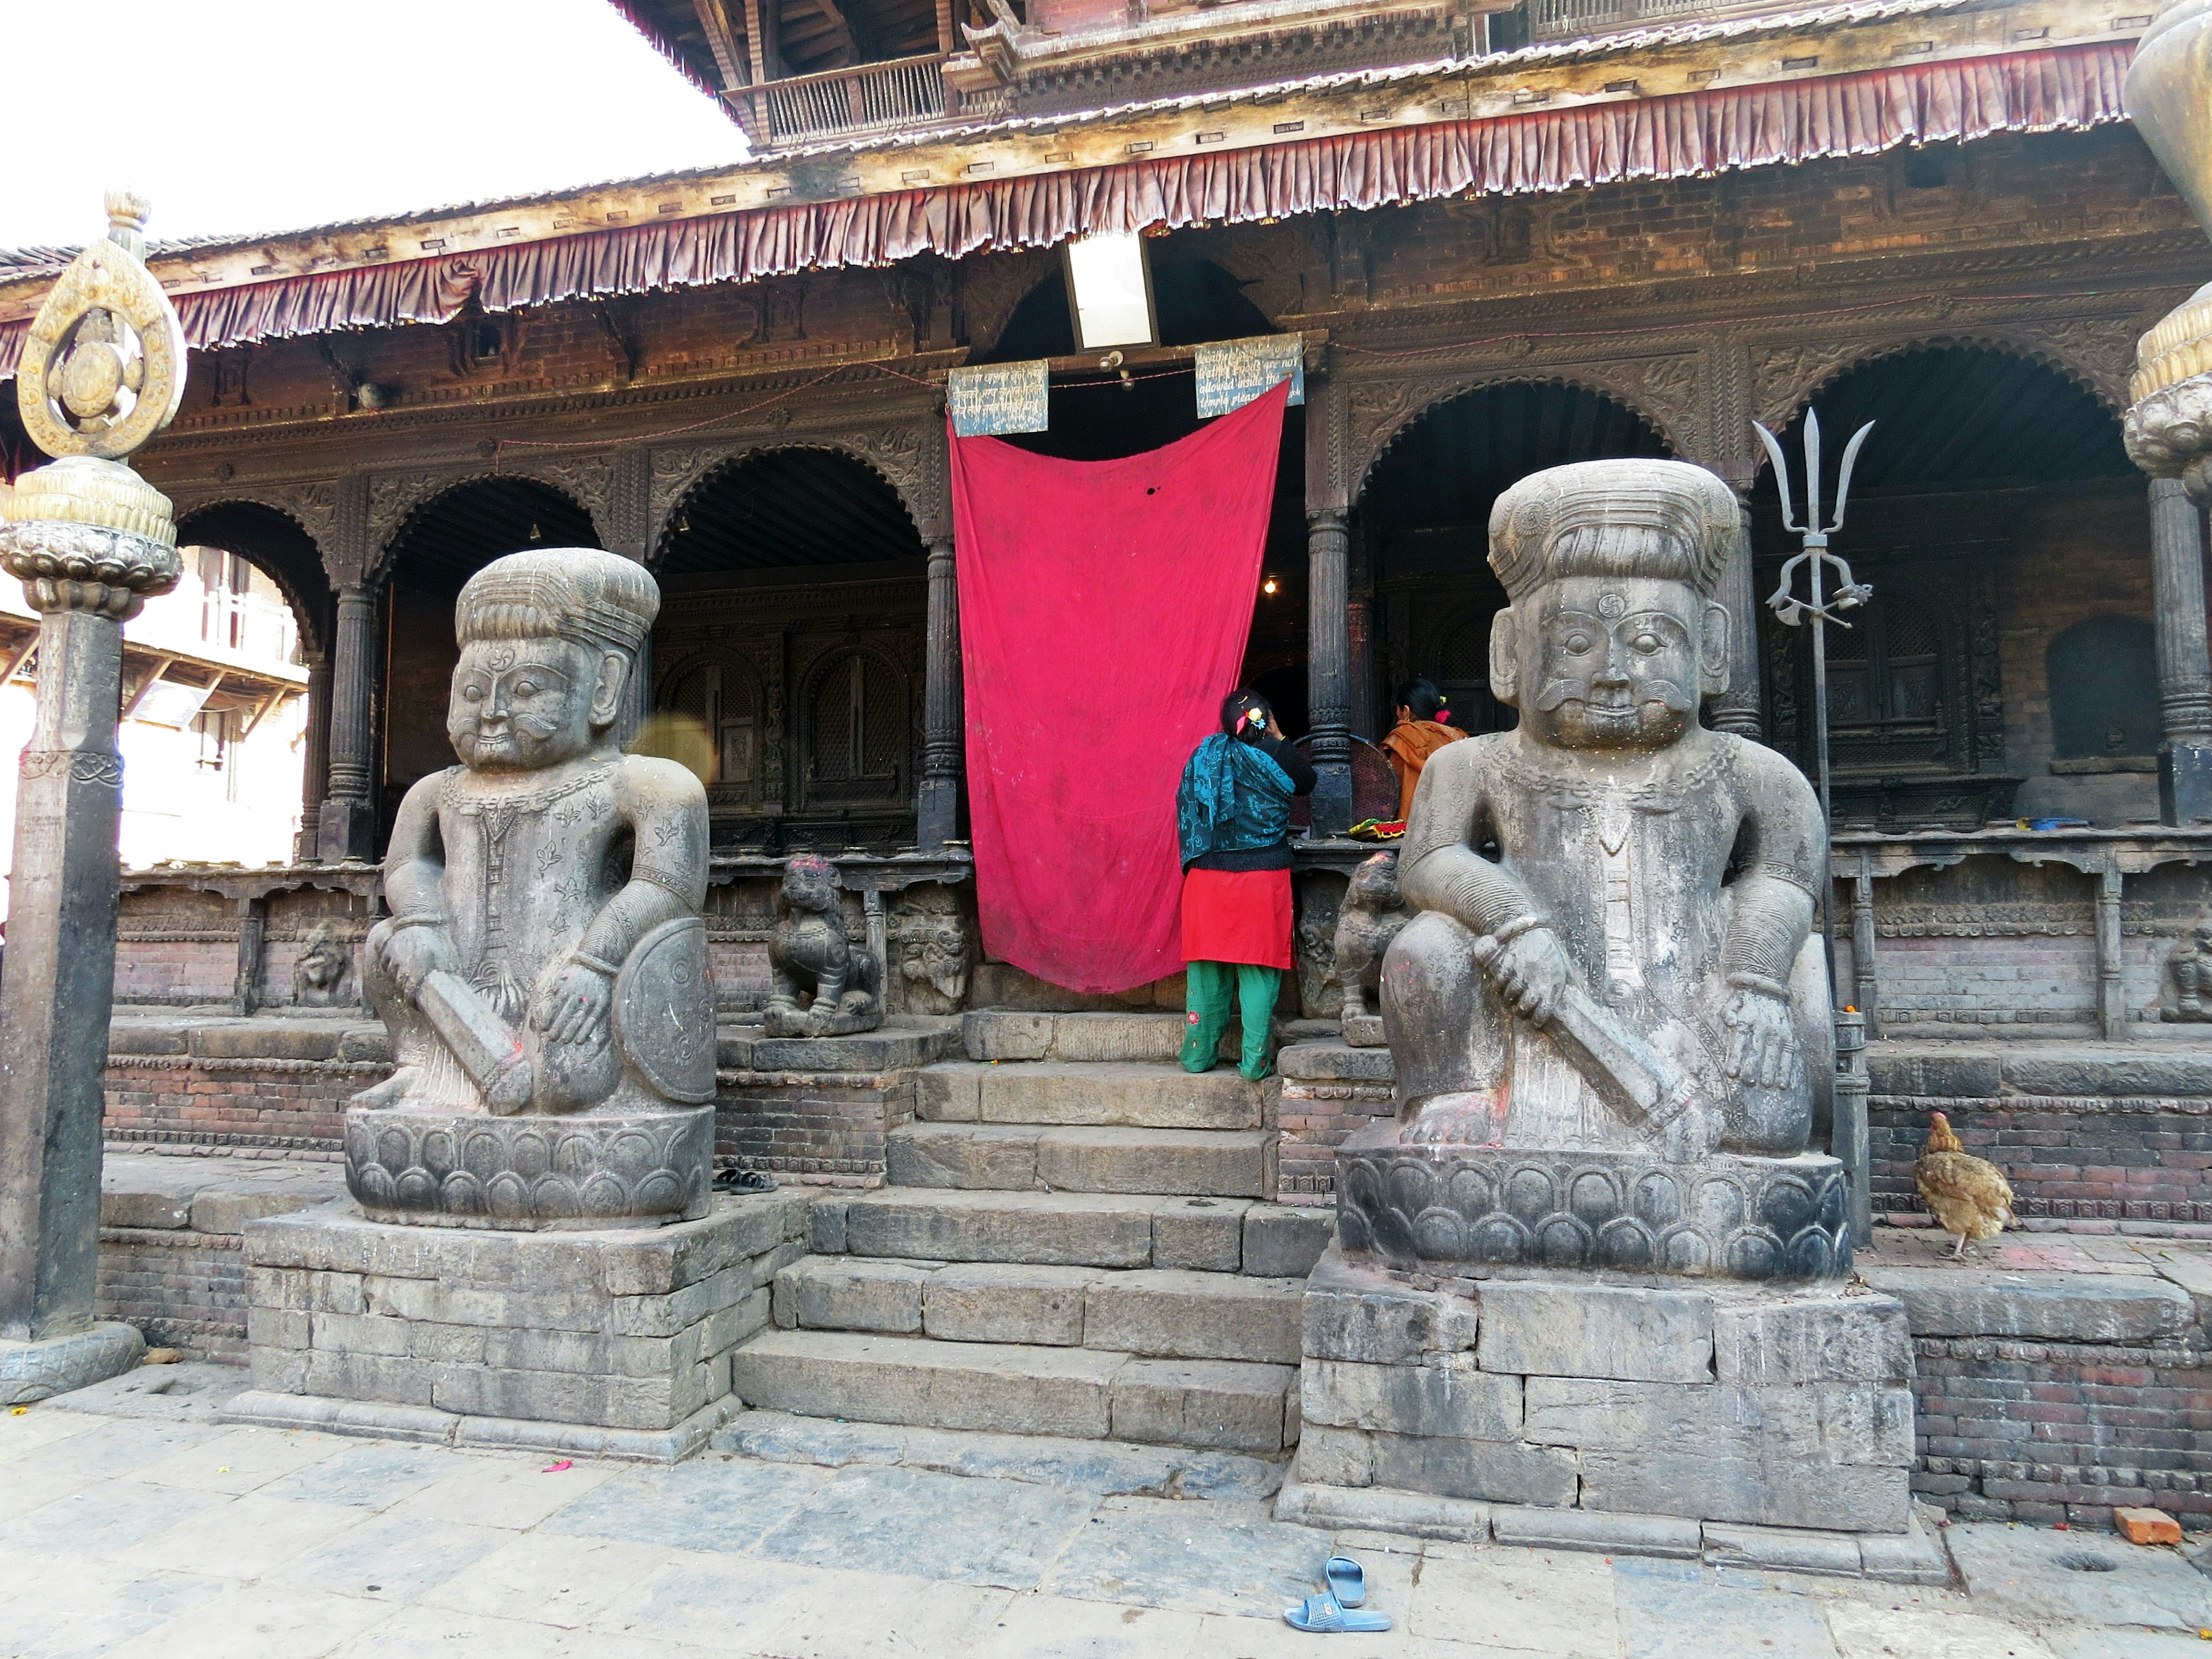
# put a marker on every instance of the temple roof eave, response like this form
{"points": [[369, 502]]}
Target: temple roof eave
{"points": [[926, 180]]}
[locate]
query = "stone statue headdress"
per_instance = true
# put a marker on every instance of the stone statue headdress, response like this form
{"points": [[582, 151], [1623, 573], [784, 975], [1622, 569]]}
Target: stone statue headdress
{"points": [[1625, 518], [597, 599]]}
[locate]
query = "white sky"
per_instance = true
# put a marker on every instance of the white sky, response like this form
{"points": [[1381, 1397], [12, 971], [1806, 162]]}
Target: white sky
{"points": [[253, 116]]}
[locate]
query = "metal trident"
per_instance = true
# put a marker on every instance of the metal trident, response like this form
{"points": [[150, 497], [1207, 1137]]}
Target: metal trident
{"points": [[1849, 1135], [1847, 594]]}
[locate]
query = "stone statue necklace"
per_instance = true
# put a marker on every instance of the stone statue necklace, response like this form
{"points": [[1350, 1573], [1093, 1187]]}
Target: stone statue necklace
{"points": [[494, 975]]}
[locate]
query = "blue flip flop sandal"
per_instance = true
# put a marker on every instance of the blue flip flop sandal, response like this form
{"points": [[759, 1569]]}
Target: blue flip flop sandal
{"points": [[1346, 1580], [1325, 1616]]}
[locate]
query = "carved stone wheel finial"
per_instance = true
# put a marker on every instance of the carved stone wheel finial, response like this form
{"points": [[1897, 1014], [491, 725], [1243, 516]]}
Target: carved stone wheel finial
{"points": [[103, 367], [102, 373]]}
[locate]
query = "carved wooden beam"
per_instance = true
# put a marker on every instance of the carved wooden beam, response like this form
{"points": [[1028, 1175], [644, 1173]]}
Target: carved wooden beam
{"points": [[729, 57]]}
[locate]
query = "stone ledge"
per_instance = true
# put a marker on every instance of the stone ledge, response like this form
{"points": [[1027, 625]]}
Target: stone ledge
{"points": [[423, 1424], [2053, 1306], [1334, 1062], [1110, 1469], [1913, 1557]]}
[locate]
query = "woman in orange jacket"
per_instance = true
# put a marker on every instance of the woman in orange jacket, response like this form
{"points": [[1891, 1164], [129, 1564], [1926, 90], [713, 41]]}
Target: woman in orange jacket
{"points": [[1423, 726]]}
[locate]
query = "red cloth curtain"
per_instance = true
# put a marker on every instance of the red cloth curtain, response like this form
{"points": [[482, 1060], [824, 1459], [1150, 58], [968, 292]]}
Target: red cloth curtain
{"points": [[1104, 607]]}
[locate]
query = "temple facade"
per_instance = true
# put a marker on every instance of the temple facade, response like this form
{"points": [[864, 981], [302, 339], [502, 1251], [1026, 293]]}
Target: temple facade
{"points": [[1504, 240]]}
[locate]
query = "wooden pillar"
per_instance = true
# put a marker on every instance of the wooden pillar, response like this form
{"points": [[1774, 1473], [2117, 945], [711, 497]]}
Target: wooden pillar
{"points": [[315, 775], [938, 809], [2184, 675], [1737, 709], [629, 532], [1328, 621], [1360, 614], [348, 824]]}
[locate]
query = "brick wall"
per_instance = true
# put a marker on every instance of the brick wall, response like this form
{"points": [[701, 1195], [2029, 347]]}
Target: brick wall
{"points": [[2089, 1163], [2049, 1431], [181, 1289], [828, 1126], [281, 1104]]}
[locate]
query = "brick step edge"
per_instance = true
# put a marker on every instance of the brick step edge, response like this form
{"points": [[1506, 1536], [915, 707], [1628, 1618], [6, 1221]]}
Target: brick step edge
{"points": [[1915, 1556], [425, 1425], [1110, 1469]]}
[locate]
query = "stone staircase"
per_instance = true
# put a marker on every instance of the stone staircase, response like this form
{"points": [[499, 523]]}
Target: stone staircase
{"points": [[1073, 1244]]}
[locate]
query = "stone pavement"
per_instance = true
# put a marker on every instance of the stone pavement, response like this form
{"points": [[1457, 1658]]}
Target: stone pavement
{"points": [[131, 1521]]}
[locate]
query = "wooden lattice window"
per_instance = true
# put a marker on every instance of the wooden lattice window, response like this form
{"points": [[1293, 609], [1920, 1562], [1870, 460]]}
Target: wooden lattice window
{"points": [[719, 702], [859, 743]]}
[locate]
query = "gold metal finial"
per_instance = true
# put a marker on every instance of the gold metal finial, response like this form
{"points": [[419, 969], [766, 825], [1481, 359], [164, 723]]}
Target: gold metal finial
{"points": [[103, 367]]}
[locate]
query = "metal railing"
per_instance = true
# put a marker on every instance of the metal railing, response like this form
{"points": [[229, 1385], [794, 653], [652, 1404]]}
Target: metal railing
{"points": [[841, 103], [1562, 20]]}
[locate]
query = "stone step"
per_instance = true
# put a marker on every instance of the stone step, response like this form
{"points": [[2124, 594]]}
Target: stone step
{"points": [[1023, 1157], [1155, 1313], [1128, 1094], [1004, 1034], [1065, 1229], [1077, 1393], [1111, 1468]]}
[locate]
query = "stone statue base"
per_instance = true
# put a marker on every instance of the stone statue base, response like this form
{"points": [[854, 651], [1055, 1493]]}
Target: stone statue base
{"points": [[1645, 1417], [40, 1371], [612, 1343], [531, 1172], [1451, 1208], [1365, 1031], [781, 1021]]}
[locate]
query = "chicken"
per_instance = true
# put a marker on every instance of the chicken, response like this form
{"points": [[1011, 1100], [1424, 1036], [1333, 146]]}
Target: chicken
{"points": [[1970, 1196]]}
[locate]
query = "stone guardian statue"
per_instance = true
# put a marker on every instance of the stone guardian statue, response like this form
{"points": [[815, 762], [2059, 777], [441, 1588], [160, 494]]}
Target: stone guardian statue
{"points": [[821, 983], [1613, 960], [543, 971]]}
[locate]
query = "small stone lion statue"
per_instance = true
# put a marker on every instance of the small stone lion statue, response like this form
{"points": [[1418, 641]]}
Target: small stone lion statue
{"points": [[322, 977], [2191, 964], [1373, 913], [822, 984]]}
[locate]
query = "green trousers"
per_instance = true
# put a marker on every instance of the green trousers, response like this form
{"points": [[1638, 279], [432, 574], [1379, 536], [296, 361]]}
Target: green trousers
{"points": [[1218, 989]]}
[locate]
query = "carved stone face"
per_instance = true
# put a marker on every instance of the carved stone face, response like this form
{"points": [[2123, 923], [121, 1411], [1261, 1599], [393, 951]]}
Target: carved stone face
{"points": [[518, 705], [809, 883], [1611, 662]]}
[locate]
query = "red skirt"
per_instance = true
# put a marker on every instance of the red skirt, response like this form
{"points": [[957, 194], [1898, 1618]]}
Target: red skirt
{"points": [[1236, 915]]}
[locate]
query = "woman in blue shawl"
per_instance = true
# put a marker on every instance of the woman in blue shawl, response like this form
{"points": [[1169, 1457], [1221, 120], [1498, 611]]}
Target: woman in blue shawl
{"points": [[1233, 815]]}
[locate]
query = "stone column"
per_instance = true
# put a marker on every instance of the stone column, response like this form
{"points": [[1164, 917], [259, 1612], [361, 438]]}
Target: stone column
{"points": [[315, 774], [2185, 673], [102, 373], [937, 811], [1737, 709], [1328, 667], [84, 581], [348, 811]]}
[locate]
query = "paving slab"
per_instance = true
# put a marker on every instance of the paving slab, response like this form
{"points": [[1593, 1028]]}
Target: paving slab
{"points": [[2089, 1578], [1156, 1554], [281, 1542], [710, 1504], [87, 1614], [1001, 1535], [1688, 1614], [394, 1557]]}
